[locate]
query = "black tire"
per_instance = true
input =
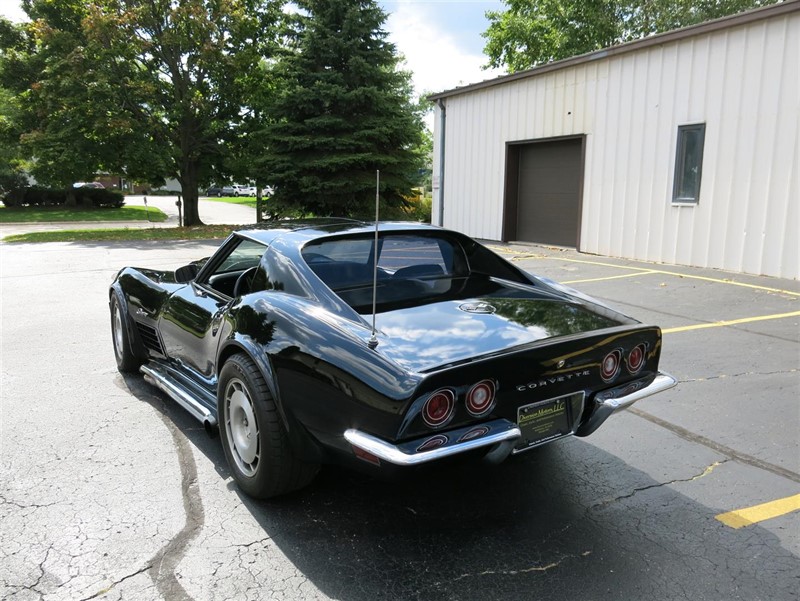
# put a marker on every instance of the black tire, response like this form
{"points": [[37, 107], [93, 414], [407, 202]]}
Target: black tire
{"points": [[127, 362], [253, 437]]}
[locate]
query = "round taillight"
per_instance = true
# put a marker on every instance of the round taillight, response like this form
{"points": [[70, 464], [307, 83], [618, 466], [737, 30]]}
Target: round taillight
{"points": [[635, 359], [480, 398], [609, 368], [438, 409]]}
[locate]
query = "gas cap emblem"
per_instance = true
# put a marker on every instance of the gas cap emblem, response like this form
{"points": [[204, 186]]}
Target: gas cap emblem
{"points": [[477, 308]]}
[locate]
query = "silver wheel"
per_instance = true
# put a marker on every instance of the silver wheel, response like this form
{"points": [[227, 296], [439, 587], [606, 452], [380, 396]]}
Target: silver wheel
{"points": [[127, 361], [116, 327], [241, 427], [253, 436]]}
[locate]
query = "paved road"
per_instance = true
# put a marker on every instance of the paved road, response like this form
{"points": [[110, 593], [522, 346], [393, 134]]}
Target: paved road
{"points": [[110, 491], [211, 212]]}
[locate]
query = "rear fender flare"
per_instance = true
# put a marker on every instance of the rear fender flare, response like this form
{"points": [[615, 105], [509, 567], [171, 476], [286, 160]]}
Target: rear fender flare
{"points": [[301, 441]]}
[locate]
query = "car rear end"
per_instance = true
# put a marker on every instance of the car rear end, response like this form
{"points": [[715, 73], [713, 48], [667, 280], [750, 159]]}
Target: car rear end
{"points": [[511, 401]]}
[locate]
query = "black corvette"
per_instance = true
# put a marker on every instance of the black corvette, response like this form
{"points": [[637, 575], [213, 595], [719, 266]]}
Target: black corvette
{"points": [[270, 341]]}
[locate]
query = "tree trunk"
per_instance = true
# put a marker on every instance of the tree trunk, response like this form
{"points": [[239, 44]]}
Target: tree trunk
{"points": [[188, 180]]}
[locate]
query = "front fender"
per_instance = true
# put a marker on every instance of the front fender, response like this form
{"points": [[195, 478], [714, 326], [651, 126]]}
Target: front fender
{"points": [[137, 346]]}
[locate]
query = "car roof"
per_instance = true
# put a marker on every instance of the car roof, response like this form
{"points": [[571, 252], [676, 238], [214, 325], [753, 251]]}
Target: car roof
{"points": [[304, 230]]}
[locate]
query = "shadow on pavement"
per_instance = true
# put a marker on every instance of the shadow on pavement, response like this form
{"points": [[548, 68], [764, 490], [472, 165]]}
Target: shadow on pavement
{"points": [[567, 521]]}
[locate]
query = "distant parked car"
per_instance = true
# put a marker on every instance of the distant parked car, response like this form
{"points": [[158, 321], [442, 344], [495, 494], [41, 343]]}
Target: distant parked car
{"points": [[214, 191], [238, 190], [88, 185]]}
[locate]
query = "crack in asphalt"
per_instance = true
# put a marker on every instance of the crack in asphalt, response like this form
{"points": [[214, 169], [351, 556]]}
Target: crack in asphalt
{"points": [[161, 567], [166, 560], [637, 490], [4, 501], [116, 583], [719, 448], [745, 373], [543, 568], [42, 571]]}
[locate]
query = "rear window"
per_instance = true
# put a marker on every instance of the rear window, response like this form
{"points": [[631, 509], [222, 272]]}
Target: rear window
{"points": [[410, 267], [348, 262]]}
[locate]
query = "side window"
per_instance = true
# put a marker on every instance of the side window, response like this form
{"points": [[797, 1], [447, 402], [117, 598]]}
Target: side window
{"points": [[688, 163], [247, 254], [241, 257]]}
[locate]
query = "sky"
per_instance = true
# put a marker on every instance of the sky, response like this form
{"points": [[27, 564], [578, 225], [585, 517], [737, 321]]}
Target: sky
{"points": [[440, 39]]}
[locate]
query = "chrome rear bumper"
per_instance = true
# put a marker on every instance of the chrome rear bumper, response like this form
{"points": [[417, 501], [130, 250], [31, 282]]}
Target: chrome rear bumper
{"points": [[608, 402], [500, 433]]}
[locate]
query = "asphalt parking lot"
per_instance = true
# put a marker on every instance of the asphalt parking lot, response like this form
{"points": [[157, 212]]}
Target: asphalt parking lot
{"points": [[108, 490]]}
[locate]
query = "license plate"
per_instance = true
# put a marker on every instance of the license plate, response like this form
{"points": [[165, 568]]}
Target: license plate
{"points": [[546, 420]]}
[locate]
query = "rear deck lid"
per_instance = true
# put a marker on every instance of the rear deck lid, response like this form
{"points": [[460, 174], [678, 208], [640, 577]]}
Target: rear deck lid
{"points": [[425, 337]]}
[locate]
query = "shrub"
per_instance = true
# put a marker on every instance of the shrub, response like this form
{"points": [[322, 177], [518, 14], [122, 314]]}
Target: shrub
{"points": [[11, 181], [99, 197], [414, 208], [38, 196]]}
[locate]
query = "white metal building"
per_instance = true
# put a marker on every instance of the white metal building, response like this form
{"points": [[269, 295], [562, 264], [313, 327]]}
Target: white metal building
{"points": [[680, 148]]}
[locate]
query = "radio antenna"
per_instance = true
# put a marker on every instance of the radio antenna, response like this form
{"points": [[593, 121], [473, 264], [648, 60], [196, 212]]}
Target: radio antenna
{"points": [[373, 340]]}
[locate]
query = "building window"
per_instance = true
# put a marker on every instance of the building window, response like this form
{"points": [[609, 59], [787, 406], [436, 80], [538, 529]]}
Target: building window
{"points": [[688, 163]]}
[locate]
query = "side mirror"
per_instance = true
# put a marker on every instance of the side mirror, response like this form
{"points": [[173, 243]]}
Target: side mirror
{"points": [[186, 273]]}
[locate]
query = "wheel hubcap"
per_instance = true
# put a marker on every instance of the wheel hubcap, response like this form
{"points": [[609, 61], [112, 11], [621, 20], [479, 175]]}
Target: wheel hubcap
{"points": [[117, 331], [241, 427]]}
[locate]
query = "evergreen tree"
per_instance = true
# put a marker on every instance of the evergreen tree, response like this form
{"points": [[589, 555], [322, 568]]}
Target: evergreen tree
{"points": [[342, 110]]}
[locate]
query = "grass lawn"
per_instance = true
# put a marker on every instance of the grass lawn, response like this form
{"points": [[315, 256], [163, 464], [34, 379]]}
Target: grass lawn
{"points": [[44, 214], [247, 201], [202, 232]]}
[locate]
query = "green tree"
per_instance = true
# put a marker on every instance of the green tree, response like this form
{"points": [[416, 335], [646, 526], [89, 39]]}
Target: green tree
{"points": [[533, 32], [149, 88], [342, 110], [68, 112], [12, 163]]}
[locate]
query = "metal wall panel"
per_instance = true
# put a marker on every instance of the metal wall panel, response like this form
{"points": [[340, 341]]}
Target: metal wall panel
{"points": [[742, 82]]}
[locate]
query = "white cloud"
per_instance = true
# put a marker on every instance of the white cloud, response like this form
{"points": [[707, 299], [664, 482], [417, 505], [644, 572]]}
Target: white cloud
{"points": [[433, 55], [11, 10]]}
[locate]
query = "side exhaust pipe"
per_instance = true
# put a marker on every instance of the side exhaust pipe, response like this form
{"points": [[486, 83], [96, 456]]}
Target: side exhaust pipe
{"points": [[211, 427]]}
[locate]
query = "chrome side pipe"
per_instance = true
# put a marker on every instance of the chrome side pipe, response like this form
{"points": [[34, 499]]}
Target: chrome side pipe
{"points": [[183, 398]]}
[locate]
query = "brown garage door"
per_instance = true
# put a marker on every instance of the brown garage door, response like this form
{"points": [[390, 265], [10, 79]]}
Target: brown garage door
{"points": [[549, 191]]}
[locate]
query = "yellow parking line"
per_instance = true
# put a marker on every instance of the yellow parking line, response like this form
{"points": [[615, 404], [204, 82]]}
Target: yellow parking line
{"points": [[527, 255], [679, 275], [728, 282], [730, 322], [759, 513], [611, 277]]}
